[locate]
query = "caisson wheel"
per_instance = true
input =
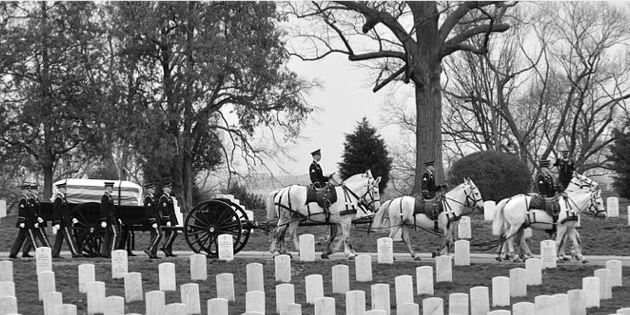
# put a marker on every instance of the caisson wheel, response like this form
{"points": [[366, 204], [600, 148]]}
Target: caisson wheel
{"points": [[87, 232], [244, 220], [206, 221]]}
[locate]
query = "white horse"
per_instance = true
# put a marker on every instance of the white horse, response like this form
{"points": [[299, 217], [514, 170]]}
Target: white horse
{"points": [[357, 196], [399, 214], [512, 216]]}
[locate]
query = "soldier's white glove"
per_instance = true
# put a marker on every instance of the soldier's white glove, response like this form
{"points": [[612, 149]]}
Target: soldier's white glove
{"points": [[154, 225], [168, 223], [120, 221], [22, 225], [36, 225], [56, 226], [103, 224], [75, 221], [40, 220]]}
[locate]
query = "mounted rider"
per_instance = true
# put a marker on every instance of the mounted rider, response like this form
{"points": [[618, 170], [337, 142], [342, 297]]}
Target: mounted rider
{"points": [[315, 171], [544, 180], [566, 167], [320, 190], [429, 188]]}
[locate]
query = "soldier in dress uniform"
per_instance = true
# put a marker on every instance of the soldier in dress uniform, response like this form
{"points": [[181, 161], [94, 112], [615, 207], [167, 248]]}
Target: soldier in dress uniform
{"points": [[315, 171], [40, 230], [63, 222], [544, 180], [167, 211], [153, 217], [566, 167], [109, 221], [25, 223], [429, 188]]}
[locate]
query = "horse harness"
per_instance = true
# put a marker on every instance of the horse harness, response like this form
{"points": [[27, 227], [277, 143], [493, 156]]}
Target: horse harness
{"points": [[551, 205], [432, 208]]}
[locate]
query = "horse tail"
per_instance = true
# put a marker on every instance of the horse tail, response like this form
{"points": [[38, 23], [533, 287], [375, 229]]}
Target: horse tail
{"points": [[271, 205], [381, 218], [499, 218]]}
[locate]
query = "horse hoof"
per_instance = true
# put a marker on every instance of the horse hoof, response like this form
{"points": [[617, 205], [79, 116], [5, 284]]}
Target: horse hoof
{"points": [[350, 257], [417, 258], [517, 260], [434, 254], [498, 258], [566, 258], [324, 256], [585, 261]]}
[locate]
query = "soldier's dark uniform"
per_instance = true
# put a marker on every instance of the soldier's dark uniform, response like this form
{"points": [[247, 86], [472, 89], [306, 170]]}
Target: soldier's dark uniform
{"points": [[61, 217], [544, 180], [112, 228], [25, 224], [429, 188], [40, 230], [566, 167], [153, 217], [167, 211], [316, 173]]}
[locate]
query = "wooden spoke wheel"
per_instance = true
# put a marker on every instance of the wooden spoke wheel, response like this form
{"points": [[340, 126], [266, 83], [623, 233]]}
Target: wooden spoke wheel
{"points": [[242, 215], [206, 221], [87, 233]]}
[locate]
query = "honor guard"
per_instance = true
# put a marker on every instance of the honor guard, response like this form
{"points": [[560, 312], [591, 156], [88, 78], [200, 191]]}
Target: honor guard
{"points": [[315, 171], [40, 230], [429, 188], [566, 167], [167, 211], [109, 221], [62, 222], [544, 180], [153, 217], [25, 223]]}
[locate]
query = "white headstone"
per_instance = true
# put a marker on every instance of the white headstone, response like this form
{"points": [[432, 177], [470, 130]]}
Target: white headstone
{"points": [[562, 304], [616, 272], [375, 312], [175, 308], [424, 280], [133, 287], [605, 289], [518, 282], [458, 304], [6, 271], [8, 304], [155, 302], [114, 305], [612, 205], [198, 267], [462, 253], [167, 276], [499, 312], [500, 291], [380, 298], [307, 247], [628, 215], [624, 311], [7, 288], [283, 268], [363, 264], [43, 259], [291, 309], [524, 308], [51, 300], [226, 247], [190, 298], [408, 309], [86, 275], [548, 254], [591, 286], [433, 306], [464, 228], [314, 288], [479, 301], [385, 247], [340, 279], [488, 210], [545, 304], [95, 297], [533, 266], [355, 302], [225, 286], [255, 277], [45, 283], [527, 233], [119, 263], [218, 306], [285, 294], [255, 301], [577, 302], [325, 306], [404, 289], [443, 269], [3, 208], [65, 309]]}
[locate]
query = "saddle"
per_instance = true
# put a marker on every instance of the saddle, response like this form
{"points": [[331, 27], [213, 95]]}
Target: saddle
{"points": [[551, 205], [429, 207], [324, 197]]}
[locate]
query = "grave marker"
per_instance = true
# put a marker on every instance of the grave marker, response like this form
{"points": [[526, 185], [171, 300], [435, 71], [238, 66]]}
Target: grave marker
{"points": [[218, 306], [488, 210], [7, 288], [545, 304], [340, 279], [119, 263], [523, 308], [500, 291], [45, 283], [325, 306], [424, 280], [43, 259], [408, 309], [255, 301], [190, 298], [291, 309], [577, 302], [86, 275], [51, 300], [363, 266], [479, 301], [499, 312], [226, 247], [433, 306], [533, 266], [6, 271], [591, 286], [605, 289], [114, 305], [375, 312], [443, 269], [285, 294], [380, 298], [385, 250], [458, 304], [8, 304], [624, 311], [133, 287], [155, 302], [95, 297], [355, 302], [464, 228], [518, 282], [3, 208], [314, 288], [225, 286], [167, 276], [612, 204], [65, 309], [462, 253], [404, 289], [616, 272], [562, 304], [283, 268], [307, 247], [548, 254], [255, 277], [198, 267], [175, 309]]}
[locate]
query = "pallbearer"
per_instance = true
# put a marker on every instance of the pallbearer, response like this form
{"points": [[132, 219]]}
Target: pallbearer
{"points": [[109, 221], [39, 228], [26, 221], [167, 211], [153, 217], [62, 222]]}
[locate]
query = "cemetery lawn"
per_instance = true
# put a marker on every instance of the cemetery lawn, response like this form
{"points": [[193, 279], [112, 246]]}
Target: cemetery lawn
{"points": [[559, 280]]}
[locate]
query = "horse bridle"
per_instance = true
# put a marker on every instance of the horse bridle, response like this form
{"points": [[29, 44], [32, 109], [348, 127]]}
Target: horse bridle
{"points": [[361, 200], [475, 202], [594, 203]]}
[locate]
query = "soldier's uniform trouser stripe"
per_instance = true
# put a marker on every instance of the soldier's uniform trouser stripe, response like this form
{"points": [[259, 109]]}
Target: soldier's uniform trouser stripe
{"points": [[170, 238], [64, 233], [156, 236], [41, 233], [23, 234]]}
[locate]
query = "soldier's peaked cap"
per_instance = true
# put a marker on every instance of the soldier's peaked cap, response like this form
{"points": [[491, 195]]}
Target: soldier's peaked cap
{"points": [[34, 186], [168, 184], [25, 185], [430, 163], [544, 162], [316, 152], [61, 185], [148, 185], [109, 184]]}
